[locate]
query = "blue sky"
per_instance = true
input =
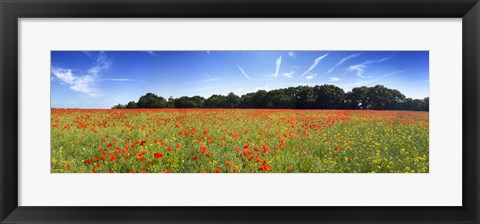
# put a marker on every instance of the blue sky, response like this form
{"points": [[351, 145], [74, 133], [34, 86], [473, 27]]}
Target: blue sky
{"points": [[94, 79]]}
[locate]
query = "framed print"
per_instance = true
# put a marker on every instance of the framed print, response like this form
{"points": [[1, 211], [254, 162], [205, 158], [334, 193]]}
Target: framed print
{"points": [[252, 112]]}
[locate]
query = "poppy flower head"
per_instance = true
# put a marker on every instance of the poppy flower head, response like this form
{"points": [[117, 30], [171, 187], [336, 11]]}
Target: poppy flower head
{"points": [[203, 148], [157, 155], [246, 152]]}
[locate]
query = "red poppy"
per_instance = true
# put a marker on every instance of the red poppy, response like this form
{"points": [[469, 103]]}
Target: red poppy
{"points": [[88, 162], [246, 152], [99, 165], [178, 146], [113, 158], [143, 171], [235, 170], [256, 148], [158, 155], [246, 146], [227, 163], [208, 154], [259, 160], [95, 158], [337, 148], [109, 145], [67, 167], [194, 158], [264, 148], [148, 162], [217, 170], [203, 148], [168, 148], [265, 168], [100, 149], [140, 159], [205, 131]]}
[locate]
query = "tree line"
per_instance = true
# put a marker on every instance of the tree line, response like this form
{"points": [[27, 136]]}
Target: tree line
{"points": [[377, 97]]}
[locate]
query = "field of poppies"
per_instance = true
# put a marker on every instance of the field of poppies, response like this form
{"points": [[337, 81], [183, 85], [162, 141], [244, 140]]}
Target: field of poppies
{"points": [[238, 141]]}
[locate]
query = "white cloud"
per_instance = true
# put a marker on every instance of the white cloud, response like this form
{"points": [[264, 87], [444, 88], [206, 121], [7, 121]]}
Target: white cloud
{"points": [[291, 54], [315, 63], [289, 74], [243, 72], [208, 52], [277, 66], [334, 79], [343, 60], [84, 83], [309, 77], [359, 69], [153, 53]]}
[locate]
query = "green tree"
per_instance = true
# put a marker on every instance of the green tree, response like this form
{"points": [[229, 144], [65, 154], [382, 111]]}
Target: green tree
{"points": [[131, 105], [232, 100], [151, 100], [304, 97], [329, 97]]}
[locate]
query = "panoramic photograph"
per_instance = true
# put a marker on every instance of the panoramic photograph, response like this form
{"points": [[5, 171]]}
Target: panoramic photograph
{"points": [[242, 111]]}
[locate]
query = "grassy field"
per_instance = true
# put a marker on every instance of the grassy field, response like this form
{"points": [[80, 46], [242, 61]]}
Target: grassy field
{"points": [[236, 140]]}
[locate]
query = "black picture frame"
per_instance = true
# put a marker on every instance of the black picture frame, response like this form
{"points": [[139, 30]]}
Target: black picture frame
{"points": [[12, 10]]}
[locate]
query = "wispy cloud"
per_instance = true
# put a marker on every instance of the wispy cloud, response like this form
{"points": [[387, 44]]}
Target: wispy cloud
{"points": [[315, 63], [208, 76], [83, 83], [343, 60], [243, 72], [277, 66], [289, 74], [334, 79], [291, 54], [88, 54], [208, 52], [393, 73], [359, 69], [309, 77], [153, 53]]}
